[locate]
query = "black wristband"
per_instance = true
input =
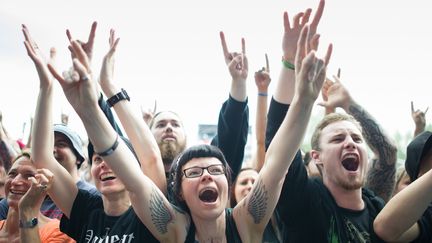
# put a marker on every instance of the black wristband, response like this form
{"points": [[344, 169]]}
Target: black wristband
{"points": [[122, 95], [111, 149]]}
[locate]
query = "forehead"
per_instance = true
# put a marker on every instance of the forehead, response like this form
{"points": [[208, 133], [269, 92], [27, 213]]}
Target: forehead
{"points": [[166, 116], [247, 174], [201, 162], [340, 127], [22, 162]]}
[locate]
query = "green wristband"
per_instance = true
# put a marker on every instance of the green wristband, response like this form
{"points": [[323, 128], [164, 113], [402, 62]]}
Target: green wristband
{"points": [[288, 64]]}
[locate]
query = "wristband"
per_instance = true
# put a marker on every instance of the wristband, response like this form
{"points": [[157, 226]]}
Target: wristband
{"points": [[111, 149], [288, 64], [122, 95], [262, 94]]}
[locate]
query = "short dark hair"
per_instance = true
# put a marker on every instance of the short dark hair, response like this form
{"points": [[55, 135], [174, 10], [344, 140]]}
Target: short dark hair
{"points": [[176, 173]]}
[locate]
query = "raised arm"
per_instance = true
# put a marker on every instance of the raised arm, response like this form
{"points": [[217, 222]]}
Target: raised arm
{"points": [[397, 221], [63, 192], [256, 209], [381, 175], [234, 114], [29, 206], [262, 81], [148, 201], [137, 130], [419, 118]]}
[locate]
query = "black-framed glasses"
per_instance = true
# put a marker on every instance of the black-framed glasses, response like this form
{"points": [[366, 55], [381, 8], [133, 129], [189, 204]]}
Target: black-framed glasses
{"points": [[197, 171]]}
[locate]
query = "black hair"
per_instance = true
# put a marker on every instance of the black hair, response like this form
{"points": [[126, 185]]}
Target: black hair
{"points": [[176, 173]]}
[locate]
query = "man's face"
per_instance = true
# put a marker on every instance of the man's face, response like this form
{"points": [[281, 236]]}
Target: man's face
{"points": [[343, 156], [63, 151], [169, 133]]}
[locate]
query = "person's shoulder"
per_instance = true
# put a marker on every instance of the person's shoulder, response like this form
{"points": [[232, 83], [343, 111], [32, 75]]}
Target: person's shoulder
{"points": [[83, 185]]}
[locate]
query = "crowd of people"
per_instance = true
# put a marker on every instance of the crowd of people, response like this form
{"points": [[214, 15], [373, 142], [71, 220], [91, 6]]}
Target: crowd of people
{"points": [[148, 185]]}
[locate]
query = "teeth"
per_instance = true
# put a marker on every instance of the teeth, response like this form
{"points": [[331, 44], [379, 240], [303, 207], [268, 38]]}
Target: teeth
{"points": [[107, 176], [17, 192]]}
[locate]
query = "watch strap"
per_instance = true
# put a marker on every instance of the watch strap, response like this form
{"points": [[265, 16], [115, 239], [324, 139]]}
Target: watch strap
{"points": [[122, 95]]}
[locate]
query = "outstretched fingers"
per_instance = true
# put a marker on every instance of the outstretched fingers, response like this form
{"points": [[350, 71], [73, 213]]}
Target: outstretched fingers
{"points": [[317, 17], [301, 46], [80, 54], [92, 34], [224, 46], [267, 63]]}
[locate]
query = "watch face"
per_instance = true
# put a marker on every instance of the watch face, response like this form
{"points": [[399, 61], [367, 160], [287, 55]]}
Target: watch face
{"points": [[29, 224]]}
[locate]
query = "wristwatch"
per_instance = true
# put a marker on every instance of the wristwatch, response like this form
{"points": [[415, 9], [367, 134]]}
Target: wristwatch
{"points": [[122, 95], [28, 224]]}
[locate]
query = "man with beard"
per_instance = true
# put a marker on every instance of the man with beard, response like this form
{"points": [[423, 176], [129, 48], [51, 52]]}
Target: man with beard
{"points": [[170, 135], [233, 123]]}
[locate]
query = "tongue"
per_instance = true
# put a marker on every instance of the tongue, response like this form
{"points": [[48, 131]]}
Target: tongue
{"points": [[350, 164], [208, 196]]}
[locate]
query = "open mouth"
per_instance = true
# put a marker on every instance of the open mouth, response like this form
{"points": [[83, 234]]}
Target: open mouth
{"points": [[350, 163], [208, 195], [15, 192], [107, 177]]}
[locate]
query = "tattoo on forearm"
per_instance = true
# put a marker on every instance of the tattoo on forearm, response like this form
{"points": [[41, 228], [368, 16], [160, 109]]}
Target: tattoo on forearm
{"points": [[381, 175], [257, 204], [160, 213]]}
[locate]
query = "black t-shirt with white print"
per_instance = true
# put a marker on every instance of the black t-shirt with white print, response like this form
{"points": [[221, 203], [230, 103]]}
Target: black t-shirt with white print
{"points": [[89, 223]]}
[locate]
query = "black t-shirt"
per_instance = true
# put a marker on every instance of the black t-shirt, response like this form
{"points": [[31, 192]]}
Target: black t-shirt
{"points": [[89, 223], [356, 224], [425, 225], [310, 213], [231, 232]]}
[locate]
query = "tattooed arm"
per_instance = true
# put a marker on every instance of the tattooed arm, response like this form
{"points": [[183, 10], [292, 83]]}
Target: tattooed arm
{"points": [[381, 175], [257, 207], [149, 203]]}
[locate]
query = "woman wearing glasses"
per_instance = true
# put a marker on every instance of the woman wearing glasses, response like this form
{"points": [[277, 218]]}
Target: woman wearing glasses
{"points": [[201, 178]]}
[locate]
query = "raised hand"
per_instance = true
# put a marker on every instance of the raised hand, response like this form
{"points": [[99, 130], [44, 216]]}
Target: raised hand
{"points": [[78, 87], [324, 92], [107, 70], [37, 57], [419, 118], [86, 46], [292, 33], [40, 184], [310, 70], [237, 62], [262, 78], [64, 117], [338, 95], [149, 114]]}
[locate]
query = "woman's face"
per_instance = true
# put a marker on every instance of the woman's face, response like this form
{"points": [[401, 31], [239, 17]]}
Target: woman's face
{"points": [[244, 183], [104, 178], [17, 181], [206, 194]]}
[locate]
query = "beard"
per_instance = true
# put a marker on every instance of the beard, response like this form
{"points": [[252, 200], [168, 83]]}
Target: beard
{"points": [[352, 183], [169, 150]]}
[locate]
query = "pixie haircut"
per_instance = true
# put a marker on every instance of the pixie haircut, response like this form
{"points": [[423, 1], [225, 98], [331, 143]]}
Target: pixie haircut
{"points": [[327, 120], [176, 173]]}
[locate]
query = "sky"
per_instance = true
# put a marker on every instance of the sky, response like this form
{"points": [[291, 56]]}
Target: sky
{"points": [[170, 52]]}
